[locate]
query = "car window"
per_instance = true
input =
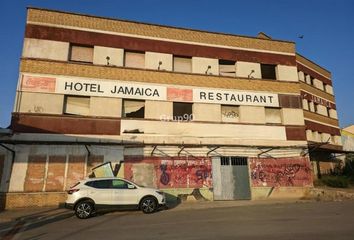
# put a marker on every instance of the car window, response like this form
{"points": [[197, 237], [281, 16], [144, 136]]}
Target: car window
{"points": [[119, 184], [102, 184]]}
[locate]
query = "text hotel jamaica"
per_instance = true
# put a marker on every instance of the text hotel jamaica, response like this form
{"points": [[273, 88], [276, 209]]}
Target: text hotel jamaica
{"points": [[151, 92]]}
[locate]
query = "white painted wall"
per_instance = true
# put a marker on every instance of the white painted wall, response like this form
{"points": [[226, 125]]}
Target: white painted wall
{"points": [[305, 104], [292, 116], [311, 106], [47, 49], [252, 114], [287, 73], [301, 76], [200, 65], [329, 89], [158, 110], [243, 69], [152, 60], [105, 107], [321, 110], [40, 102], [100, 54], [333, 113], [318, 84], [206, 112]]}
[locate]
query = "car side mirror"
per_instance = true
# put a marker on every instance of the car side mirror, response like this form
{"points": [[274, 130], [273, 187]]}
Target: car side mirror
{"points": [[131, 186]]}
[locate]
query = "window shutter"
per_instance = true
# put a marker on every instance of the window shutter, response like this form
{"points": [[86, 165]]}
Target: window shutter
{"points": [[181, 64], [81, 54], [134, 60], [77, 105]]}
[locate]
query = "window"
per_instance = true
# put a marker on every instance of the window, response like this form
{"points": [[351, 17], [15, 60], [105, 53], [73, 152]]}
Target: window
{"points": [[225, 161], [272, 115], [315, 107], [119, 184], [77, 105], [81, 53], [328, 111], [182, 64], [230, 113], [133, 108], [227, 68], [182, 111], [101, 184], [134, 59], [268, 71], [238, 161]]}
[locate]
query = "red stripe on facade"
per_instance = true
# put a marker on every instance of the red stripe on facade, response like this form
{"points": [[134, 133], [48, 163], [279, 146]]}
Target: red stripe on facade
{"points": [[322, 128], [140, 44], [318, 100]]}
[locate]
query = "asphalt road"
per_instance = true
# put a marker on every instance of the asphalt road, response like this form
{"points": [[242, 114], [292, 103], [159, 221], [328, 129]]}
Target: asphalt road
{"points": [[316, 220]]}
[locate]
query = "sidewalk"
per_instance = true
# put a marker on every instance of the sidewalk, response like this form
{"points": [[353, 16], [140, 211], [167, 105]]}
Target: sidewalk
{"points": [[41, 213]]}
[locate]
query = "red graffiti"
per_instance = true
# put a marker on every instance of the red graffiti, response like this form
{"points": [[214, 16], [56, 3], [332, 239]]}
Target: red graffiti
{"points": [[175, 172], [281, 172]]}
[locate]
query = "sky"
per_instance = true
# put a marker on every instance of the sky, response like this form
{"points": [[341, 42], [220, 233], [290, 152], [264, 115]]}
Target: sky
{"points": [[327, 26]]}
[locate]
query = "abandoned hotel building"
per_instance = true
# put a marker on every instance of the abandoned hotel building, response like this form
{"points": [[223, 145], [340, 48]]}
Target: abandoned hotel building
{"points": [[197, 114]]}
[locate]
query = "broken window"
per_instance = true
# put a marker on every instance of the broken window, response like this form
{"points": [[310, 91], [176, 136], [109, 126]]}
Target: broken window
{"points": [[77, 105], [134, 59], [133, 108], [182, 64], [182, 111], [272, 115], [81, 53], [227, 68], [268, 71]]}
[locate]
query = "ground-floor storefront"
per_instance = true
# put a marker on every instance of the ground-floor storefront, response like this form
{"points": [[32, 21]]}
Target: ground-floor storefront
{"points": [[38, 174]]}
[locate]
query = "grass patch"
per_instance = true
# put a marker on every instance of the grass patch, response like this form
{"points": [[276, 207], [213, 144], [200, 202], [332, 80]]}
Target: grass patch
{"points": [[334, 181]]}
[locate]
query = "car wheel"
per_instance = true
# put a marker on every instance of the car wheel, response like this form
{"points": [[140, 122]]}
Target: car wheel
{"points": [[148, 205], [84, 209]]}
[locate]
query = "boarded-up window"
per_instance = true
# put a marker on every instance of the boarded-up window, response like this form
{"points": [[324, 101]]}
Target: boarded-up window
{"points": [[182, 64], [230, 113], [268, 71], [134, 59], [34, 180], [77, 105], [81, 54], [227, 68], [182, 111], [272, 115], [56, 173], [76, 170], [134, 108]]}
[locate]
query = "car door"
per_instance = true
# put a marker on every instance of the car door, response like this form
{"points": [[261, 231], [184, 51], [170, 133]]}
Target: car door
{"points": [[101, 191], [124, 193]]}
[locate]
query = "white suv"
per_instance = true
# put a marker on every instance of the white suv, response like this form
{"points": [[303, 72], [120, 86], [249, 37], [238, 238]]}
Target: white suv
{"points": [[88, 195]]}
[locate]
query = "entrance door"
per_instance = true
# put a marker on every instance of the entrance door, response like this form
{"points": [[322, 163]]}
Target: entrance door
{"points": [[232, 181]]}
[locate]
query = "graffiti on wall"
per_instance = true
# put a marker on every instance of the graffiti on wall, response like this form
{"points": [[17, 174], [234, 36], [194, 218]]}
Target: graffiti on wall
{"points": [[169, 172], [281, 172]]}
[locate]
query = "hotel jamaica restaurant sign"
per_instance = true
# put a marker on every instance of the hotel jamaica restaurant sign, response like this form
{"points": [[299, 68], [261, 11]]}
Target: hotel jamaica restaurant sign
{"points": [[123, 89]]}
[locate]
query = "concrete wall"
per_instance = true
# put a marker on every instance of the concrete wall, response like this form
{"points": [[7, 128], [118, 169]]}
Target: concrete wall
{"points": [[37, 48], [321, 110], [152, 60], [105, 107], [292, 116], [206, 112], [200, 65], [287, 73], [40, 103], [116, 56], [311, 106], [252, 114], [243, 69], [305, 104]]}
